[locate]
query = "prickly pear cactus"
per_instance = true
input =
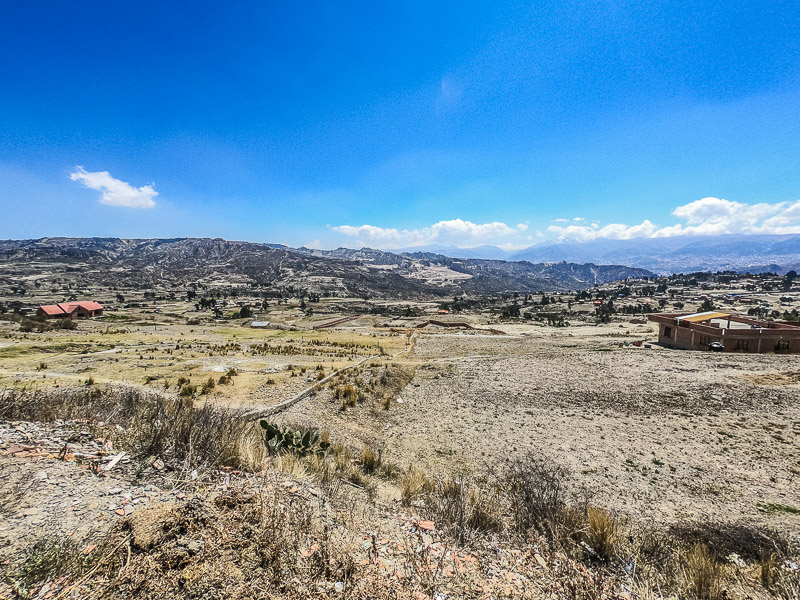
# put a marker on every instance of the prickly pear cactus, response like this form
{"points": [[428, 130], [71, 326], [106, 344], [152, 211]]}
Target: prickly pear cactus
{"points": [[284, 439]]}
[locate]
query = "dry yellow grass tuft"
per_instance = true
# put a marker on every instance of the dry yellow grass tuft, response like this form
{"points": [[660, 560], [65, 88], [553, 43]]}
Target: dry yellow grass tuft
{"points": [[603, 533], [704, 573], [413, 484]]}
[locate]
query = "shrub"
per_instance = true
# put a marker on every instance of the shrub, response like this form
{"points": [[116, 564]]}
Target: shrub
{"points": [[188, 390], [465, 506], [47, 559], [30, 325], [370, 458], [538, 496], [209, 385]]}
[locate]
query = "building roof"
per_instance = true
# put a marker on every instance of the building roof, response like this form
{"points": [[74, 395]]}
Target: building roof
{"points": [[67, 308], [88, 305], [703, 316], [58, 309]]}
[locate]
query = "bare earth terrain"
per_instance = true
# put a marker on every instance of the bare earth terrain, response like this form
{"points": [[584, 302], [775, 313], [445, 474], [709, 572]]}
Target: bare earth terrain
{"points": [[663, 434], [654, 436]]}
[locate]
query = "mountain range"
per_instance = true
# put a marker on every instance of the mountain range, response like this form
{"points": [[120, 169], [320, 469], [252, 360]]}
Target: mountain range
{"points": [[680, 254], [53, 263]]}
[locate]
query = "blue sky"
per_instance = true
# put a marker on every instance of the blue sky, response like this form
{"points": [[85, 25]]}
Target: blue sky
{"points": [[399, 124]]}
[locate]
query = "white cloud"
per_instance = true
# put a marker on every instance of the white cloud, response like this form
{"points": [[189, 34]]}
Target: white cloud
{"points": [[115, 192], [456, 232], [616, 231], [513, 247], [707, 216]]}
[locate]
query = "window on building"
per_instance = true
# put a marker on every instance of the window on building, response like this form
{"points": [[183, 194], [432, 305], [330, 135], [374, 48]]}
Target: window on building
{"points": [[782, 346], [667, 332], [742, 344]]}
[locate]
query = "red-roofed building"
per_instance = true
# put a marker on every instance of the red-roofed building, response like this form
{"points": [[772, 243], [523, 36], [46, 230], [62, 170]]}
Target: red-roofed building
{"points": [[70, 310]]}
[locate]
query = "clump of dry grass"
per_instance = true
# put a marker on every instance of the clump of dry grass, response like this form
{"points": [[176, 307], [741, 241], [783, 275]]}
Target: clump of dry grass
{"points": [[349, 395], [146, 424], [414, 482], [370, 459], [703, 573], [466, 507], [208, 386], [603, 532]]}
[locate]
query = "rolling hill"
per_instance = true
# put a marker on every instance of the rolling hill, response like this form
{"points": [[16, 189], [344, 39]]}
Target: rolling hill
{"points": [[206, 262]]}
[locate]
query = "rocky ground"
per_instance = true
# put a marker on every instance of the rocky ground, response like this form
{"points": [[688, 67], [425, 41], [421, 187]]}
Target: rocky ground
{"points": [[61, 480], [172, 538]]}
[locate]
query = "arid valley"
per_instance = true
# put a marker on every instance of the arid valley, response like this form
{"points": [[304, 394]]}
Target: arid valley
{"points": [[500, 434]]}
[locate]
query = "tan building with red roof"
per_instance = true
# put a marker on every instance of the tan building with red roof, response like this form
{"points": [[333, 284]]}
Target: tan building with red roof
{"points": [[70, 310], [712, 330]]}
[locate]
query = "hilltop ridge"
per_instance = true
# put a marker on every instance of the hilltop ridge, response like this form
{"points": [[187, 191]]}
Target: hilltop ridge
{"points": [[344, 272]]}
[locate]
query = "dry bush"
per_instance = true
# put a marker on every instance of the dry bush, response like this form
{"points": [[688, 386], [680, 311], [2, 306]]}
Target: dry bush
{"points": [[653, 554], [538, 497], [465, 507]]}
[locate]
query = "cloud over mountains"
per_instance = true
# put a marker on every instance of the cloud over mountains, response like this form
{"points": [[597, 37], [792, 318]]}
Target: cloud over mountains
{"points": [[707, 216], [114, 192]]}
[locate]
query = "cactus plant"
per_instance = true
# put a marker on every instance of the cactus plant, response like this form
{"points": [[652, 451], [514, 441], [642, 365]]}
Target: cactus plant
{"points": [[284, 439]]}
